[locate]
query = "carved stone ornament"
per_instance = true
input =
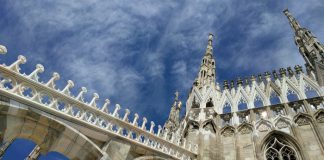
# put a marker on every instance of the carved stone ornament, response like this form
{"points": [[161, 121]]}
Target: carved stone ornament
{"points": [[320, 117], [301, 121], [245, 129], [228, 132], [263, 128], [282, 124]]}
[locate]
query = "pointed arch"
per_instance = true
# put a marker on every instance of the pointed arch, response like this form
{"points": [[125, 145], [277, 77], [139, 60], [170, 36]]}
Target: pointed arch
{"points": [[274, 97], [209, 125], [277, 145], [263, 125], [227, 131], [245, 128], [282, 122], [292, 95], [227, 108], [319, 116], [242, 104], [310, 92], [302, 119], [257, 101]]}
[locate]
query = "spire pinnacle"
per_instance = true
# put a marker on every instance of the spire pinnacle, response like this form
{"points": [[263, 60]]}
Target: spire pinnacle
{"points": [[176, 98], [210, 44], [292, 21]]}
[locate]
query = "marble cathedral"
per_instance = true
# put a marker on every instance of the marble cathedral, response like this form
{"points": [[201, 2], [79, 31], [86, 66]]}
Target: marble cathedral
{"points": [[271, 116]]}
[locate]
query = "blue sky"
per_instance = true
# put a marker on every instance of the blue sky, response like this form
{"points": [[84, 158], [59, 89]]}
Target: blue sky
{"points": [[138, 54]]}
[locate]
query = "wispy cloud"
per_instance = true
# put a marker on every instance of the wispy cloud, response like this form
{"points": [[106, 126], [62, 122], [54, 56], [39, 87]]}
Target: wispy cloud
{"points": [[139, 53]]}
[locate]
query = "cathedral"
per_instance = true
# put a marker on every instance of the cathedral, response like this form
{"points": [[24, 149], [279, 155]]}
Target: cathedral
{"points": [[277, 115]]}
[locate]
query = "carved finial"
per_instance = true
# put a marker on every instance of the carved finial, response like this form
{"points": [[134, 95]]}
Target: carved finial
{"points": [[260, 77], [232, 84], [125, 118], [267, 74], [247, 81], [135, 119], [176, 98], [69, 85], [115, 113], [15, 66], [144, 122], [290, 71], [152, 127], [105, 106], [159, 130], [80, 95], [94, 99], [3, 49], [298, 69], [51, 82], [34, 74], [239, 81], [275, 75], [225, 85], [282, 72], [252, 78]]}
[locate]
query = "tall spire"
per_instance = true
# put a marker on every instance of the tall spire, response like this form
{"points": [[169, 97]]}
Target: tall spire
{"points": [[309, 47], [206, 75], [174, 118], [292, 21]]}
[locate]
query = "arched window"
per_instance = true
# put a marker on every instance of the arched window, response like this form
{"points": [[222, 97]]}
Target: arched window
{"points": [[280, 149], [274, 98], [292, 96], [258, 101], [227, 108], [242, 105], [310, 92]]}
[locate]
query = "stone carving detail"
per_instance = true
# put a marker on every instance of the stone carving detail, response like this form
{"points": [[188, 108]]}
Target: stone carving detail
{"points": [[281, 124], [245, 129], [320, 117], [228, 132], [301, 121]]}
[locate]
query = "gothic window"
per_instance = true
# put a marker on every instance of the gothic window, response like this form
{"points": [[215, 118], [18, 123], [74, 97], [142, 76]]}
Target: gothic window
{"points": [[210, 103], [258, 102], [242, 105], [310, 92], [278, 149], [227, 108], [292, 96], [274, 98]]}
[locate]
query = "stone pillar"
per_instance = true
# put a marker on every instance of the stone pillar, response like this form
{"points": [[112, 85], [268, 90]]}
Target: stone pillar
{"points": [[252, 115], [235, 119]]}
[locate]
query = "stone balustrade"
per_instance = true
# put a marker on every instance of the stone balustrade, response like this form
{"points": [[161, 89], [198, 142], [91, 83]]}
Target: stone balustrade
{"points": [[28, 89]]}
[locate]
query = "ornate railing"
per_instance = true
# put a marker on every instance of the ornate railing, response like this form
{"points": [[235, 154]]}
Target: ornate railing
{"points": [[44, 96]]}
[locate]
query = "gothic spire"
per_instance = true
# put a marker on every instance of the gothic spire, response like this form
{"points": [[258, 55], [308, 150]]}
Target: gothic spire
{"points": [[174, 118], [292, 21], [206, 75], [310, 49]]}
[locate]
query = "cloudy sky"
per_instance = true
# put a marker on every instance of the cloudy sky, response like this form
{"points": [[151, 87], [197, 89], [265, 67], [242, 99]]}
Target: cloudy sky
{"points": [[138, 53]]}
